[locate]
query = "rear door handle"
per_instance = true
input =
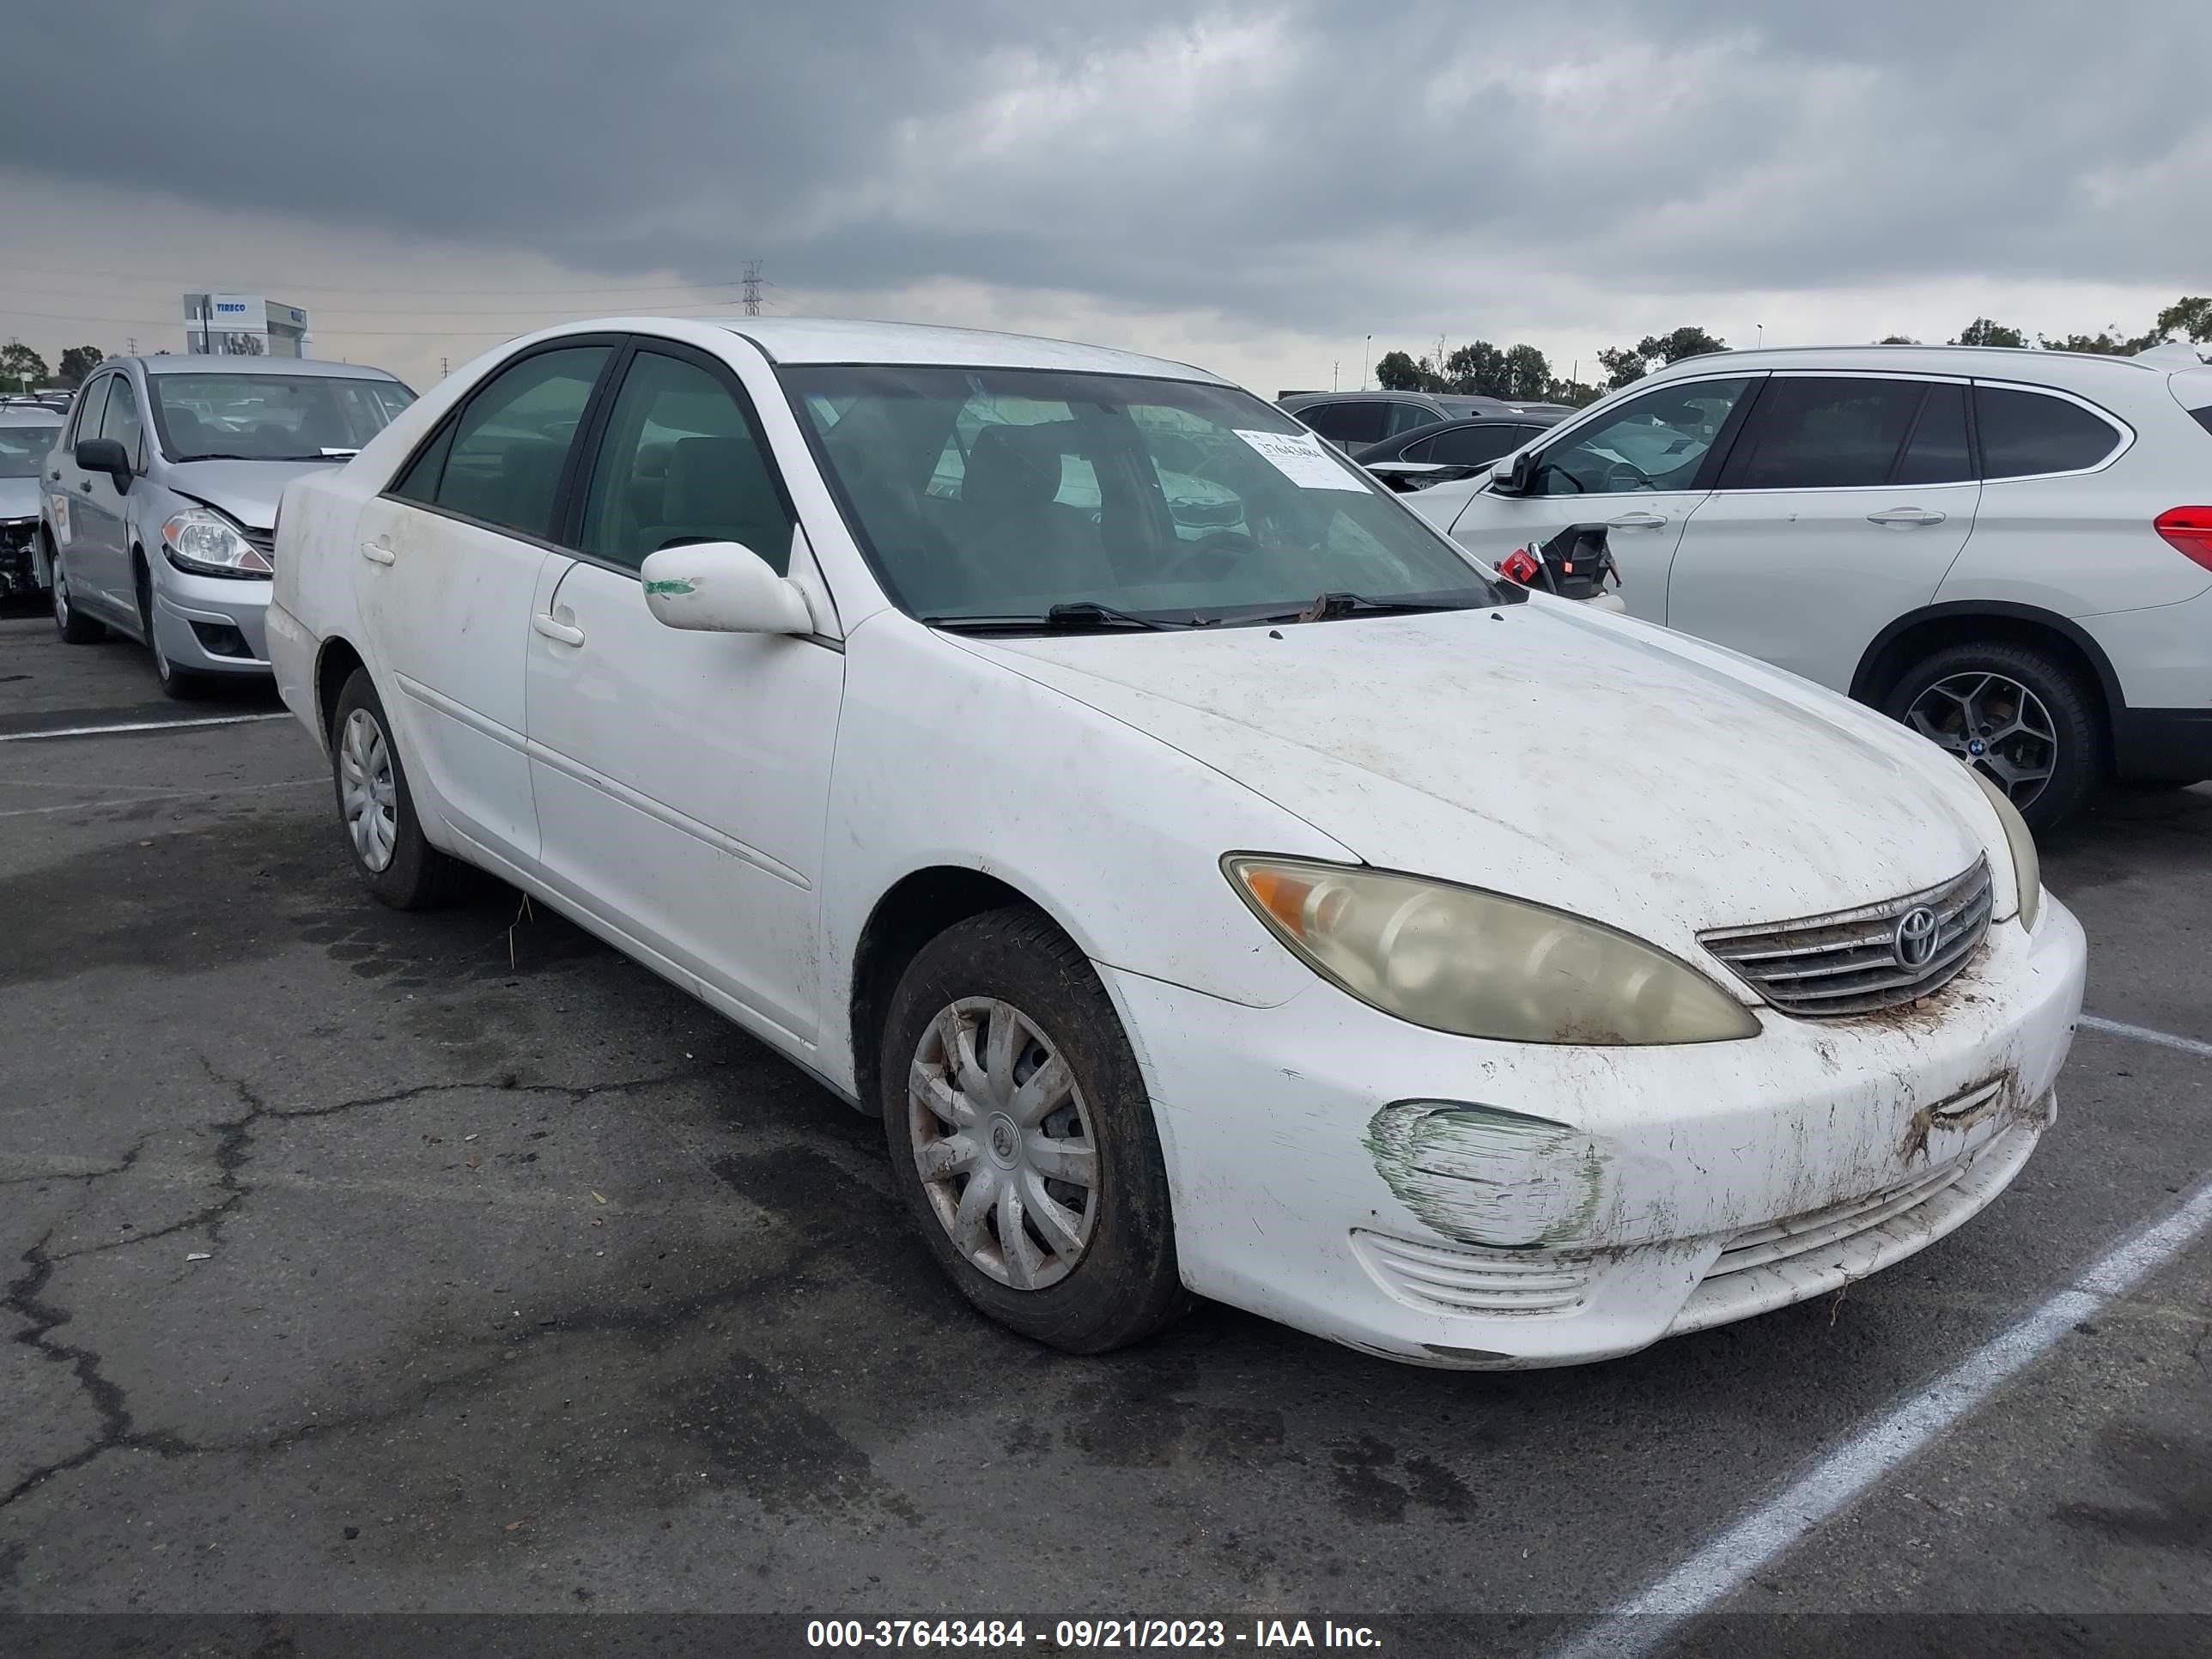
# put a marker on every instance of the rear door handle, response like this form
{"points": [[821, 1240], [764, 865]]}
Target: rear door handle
{"points": [[1638, 521], [1905, 515], [86, 486], [565, 633], [377, 553]]}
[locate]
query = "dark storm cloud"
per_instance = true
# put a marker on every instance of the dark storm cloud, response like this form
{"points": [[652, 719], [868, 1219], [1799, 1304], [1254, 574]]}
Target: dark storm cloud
{"points": [[1265, 159]]}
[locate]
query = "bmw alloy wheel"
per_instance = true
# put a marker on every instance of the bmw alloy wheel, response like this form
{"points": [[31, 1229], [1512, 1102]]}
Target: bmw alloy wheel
{"points": [[367, 793], [1994, 724], [1002, 1138]]}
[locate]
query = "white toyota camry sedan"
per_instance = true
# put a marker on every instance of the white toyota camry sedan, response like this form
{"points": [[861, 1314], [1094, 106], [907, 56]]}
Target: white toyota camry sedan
{"points": [[1216, 879]]}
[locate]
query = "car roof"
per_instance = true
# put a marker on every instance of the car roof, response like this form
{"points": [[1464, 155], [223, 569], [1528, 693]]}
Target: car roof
{"points": [[836, 340], [2029, 363], [310, 368]]}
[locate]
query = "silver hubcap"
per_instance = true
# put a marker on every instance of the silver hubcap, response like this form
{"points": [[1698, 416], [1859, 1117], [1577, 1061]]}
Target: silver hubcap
{"points": [[1002, 1138], [1995, 725], [366, 793]]}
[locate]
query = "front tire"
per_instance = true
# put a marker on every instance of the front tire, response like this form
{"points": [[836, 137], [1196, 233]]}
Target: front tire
{"points": [[1022, 1136], [383, 834], [181, 684], [71, 623], [2022, 719]]}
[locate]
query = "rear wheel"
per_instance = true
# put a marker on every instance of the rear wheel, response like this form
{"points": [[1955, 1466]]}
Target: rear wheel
{"points": [[2024, 721], [1022, 1135], [383, 834], [72, 624]]}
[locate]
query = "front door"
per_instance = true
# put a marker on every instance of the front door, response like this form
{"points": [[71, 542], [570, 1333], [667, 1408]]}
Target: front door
{"points": [[448, 570], [1840, 508], [1640, 470], [680, 779]]}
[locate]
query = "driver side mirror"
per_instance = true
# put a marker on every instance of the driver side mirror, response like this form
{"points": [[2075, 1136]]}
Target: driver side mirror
{"points": [[1514, 476], [104, 455], [721, 587]]}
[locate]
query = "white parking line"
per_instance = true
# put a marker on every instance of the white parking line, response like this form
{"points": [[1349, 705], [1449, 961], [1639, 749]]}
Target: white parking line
{"points": [[2144, 1034], [167, 794], [1648, 1619], [140, 725]]}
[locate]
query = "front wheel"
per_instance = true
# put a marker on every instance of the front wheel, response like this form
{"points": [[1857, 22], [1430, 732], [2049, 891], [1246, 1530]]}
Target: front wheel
{"points": [[1022, 1135], [181, 684], [2023, 720]]}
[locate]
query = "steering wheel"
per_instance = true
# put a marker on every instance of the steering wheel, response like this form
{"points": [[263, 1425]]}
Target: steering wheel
{"points": [[1218, 552], [1636, 477]]}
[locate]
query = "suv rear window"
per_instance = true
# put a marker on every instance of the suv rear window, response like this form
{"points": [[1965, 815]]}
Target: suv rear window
{"points": [[2026, 433]]}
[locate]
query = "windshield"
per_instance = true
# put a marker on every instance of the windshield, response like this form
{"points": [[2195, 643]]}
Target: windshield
{"points": [[23, 447], [1002, 493], [272, 418]]}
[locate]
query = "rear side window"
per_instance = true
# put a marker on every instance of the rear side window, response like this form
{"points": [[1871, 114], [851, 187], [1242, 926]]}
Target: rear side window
{"points": [[1814, 432], [1937, 452], [1410, 417], [1347, 423], [503, 460], [2026, 433], [1469, 446]]}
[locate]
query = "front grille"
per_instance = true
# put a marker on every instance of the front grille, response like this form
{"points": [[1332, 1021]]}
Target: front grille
{"points": [[265, 541], [1849, 962], [1455, 1279]]}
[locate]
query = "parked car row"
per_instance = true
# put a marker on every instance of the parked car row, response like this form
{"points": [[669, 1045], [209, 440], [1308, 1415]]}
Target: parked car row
{"points": [[2010, 551], [1217, 881]]}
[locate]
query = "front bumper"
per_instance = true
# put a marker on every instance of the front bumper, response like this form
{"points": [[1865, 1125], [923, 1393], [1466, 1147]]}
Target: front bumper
{"points": [[1485, 1205], [211, 624], [21, 573]]}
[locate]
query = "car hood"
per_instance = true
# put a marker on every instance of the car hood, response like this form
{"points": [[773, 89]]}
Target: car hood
{"points": [[247, 490], [1595, 763], [18, 498]]}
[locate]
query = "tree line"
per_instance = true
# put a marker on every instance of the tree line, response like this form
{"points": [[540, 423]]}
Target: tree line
{"points": [[19, 363], [1521, 374]]}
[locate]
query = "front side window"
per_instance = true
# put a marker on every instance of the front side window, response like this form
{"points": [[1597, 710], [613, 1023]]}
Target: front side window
{"points": [[23, 449], [682, 462], [1825, 432], [1657, 440], [84, 420], [120, 421], [1001, 493], [1471, 445], [271, 418], [501, 463], [2025, 432]]}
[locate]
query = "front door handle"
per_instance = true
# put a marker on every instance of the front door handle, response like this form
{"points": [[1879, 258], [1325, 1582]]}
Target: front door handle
{"points": [[1639, 521], [377, 553], [1905, 515], [565, 633]]}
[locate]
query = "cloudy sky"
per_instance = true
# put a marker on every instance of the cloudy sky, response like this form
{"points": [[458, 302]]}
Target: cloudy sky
{"points": [[1254, 187]]}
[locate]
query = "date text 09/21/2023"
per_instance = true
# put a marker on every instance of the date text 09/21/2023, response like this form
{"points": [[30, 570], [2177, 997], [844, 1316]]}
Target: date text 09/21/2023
{"points": [[1068, 1635]]}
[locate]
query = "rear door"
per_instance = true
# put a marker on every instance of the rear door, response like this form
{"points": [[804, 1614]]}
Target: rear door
{"points": [[682, 778], [1639, 468], [1840, 508], [448, 570]]}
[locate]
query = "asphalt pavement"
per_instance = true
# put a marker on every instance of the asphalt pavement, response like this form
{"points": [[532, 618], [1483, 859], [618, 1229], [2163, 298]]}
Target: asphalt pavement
{"points": [[358, 1262]]}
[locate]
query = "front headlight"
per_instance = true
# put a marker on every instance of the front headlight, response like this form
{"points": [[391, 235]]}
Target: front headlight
{"points": [[2026, 867], [200, 538], [1479, 964]]}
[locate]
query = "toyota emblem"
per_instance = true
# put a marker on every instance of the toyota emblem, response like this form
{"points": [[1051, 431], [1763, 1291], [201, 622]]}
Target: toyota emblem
{"points": [[1914, 942]]}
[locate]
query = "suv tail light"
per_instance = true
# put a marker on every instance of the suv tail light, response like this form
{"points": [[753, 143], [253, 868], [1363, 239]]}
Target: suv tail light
{"points": [[2189, 530]]}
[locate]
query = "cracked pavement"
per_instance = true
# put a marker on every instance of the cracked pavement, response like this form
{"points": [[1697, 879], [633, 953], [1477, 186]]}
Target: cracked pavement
{"points": [[356, 1261]]}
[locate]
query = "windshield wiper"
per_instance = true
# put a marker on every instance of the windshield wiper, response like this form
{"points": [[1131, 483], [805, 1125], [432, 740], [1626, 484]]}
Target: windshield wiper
{"points": [[1324, 607], [1072, 617]]}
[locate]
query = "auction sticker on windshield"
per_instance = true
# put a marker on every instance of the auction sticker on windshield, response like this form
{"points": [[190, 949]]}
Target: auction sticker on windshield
{"points": [[1299, 457]]}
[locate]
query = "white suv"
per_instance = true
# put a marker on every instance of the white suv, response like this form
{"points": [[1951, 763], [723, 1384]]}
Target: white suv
{"points": [[2011, 550]]}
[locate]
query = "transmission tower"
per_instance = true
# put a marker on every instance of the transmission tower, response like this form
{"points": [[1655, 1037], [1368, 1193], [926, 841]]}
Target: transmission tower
{"points": [[752, 288]]}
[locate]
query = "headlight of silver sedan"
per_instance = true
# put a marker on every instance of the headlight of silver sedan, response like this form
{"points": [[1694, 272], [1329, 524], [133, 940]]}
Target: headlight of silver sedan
{"points": [[201, 539], [1479, 964]]}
